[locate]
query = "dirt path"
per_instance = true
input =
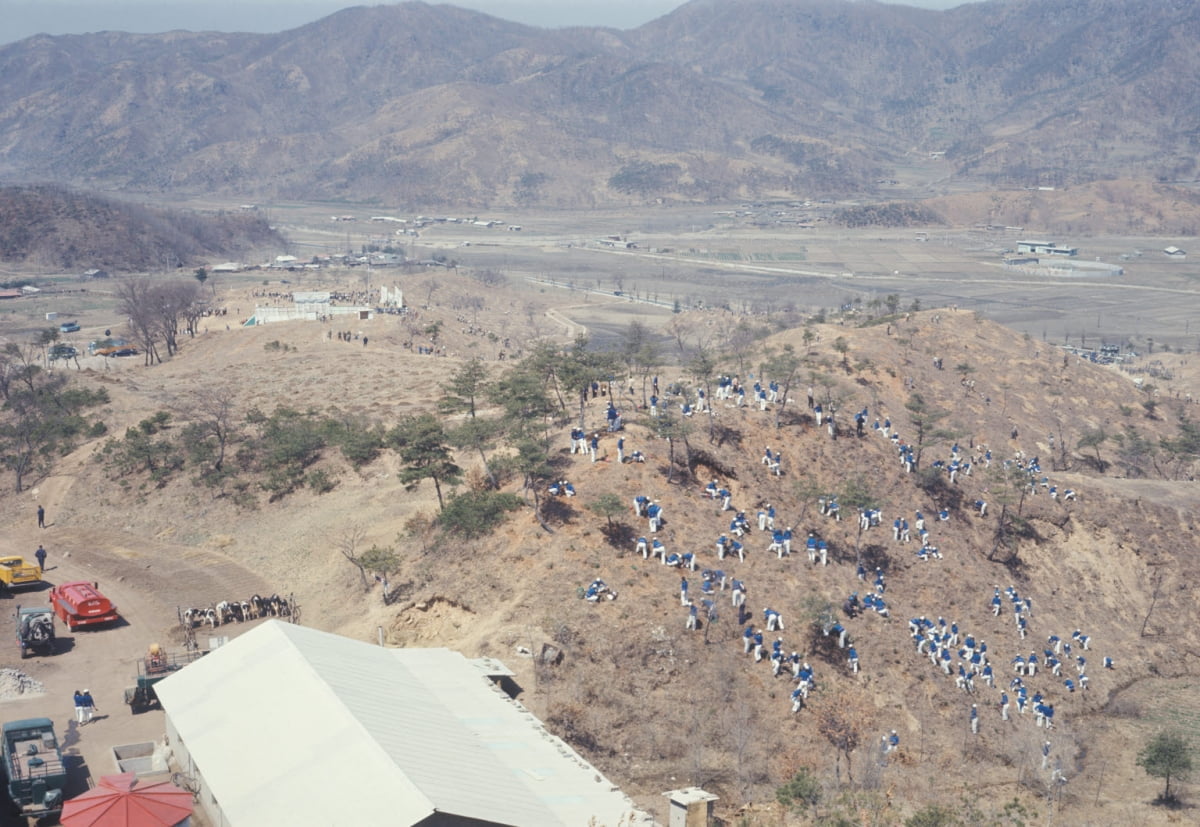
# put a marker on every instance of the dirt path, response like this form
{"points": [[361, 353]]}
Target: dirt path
{"points": [[573, 330], [146, 581]]}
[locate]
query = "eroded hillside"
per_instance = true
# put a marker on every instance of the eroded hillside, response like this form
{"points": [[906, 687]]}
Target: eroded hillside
{"points": [[656, 706]]}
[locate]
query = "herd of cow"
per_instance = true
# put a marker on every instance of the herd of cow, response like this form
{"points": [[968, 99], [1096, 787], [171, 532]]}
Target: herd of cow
{"points": [[235, 611]]}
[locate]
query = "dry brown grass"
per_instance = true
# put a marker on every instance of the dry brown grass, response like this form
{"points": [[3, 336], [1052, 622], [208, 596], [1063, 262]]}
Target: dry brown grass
{"points": [[653, 705]]}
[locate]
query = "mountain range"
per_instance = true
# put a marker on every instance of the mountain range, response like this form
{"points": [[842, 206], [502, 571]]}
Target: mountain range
{"points": [[425, 106]]}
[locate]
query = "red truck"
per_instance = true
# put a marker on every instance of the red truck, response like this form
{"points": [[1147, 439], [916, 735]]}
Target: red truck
{"points": [[81, 604]]}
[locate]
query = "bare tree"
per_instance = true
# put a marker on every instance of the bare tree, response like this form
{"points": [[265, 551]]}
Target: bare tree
{"points": [[193, 312], [212, 429], [474, 304], [154, 309], [430, 286], [135, 299], [843, 721], [782, 367], [351, 538], [172, 300]]}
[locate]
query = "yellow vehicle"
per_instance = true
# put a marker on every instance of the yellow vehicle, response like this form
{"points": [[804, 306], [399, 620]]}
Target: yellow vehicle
{"points": [[15, 572]]}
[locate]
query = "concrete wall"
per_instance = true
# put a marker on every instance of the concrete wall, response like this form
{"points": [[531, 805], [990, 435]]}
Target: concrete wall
{"points": [[309, 313]]}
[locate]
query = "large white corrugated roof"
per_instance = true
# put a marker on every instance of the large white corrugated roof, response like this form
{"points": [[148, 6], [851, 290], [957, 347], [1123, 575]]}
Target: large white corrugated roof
{"points": [[345, 732]]}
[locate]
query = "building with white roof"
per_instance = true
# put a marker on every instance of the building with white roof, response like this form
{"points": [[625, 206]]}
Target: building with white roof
{"points": [[290, 725]]}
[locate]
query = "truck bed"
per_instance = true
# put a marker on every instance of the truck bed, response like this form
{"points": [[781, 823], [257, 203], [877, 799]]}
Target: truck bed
{"points": [[29, 764]]}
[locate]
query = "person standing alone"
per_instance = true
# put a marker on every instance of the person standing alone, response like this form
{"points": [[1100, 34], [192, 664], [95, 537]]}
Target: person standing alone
{"points": [[41, 517], [40, 554]]}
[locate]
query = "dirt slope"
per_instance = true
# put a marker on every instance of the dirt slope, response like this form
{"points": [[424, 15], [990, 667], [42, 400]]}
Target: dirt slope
{"points": [[656, 707]]}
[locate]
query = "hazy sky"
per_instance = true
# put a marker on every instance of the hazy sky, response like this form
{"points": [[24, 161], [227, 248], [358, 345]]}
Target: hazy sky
{"points": [[22, 18]]}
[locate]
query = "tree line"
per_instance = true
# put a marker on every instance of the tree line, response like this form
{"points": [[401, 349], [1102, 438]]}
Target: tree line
{"points": [[43, 415]]}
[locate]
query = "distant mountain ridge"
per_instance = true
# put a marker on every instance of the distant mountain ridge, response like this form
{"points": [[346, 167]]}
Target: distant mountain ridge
{"points": [[423, 105]]}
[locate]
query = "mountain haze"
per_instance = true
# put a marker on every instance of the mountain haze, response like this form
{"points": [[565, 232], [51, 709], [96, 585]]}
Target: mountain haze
{"points": [[433, 105]]}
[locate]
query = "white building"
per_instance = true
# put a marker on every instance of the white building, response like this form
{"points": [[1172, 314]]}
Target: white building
{"points": [[306, 306], [1045, 248], [286, 725], [391, 296]]}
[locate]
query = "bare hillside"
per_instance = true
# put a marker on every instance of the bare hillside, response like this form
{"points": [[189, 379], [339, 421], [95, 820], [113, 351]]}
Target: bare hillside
{"points": [[430, 105], [657, 706]]}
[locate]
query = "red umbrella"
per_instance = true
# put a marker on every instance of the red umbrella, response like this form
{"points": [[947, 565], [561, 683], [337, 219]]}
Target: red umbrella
{"points": [[126, 801]]}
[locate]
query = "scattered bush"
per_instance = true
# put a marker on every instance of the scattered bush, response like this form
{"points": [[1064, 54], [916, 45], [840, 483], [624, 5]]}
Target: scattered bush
{"points": [[802, 790], [359, 442], [139, 451], [320, 481], [473, 514], [935, 815], [644, 178]]}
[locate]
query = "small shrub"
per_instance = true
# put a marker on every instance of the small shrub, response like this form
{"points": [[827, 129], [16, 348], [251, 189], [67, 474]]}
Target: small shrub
{"points": [[473, 514], [802, 790], [359, 443], [934, 815], [320, 481]]}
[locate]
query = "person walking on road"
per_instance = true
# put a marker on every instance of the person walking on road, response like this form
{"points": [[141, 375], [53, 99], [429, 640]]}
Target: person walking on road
{"points": [[40, 554], [78, 707], [41, 517], [89, 706]]}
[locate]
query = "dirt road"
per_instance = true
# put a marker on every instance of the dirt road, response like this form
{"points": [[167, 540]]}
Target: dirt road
{"points": [[147, 584]]}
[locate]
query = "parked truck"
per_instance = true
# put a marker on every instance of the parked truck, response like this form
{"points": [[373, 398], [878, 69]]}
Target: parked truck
{"points": [[81, 604], [34, 766], [15, 572], [35, 630]]}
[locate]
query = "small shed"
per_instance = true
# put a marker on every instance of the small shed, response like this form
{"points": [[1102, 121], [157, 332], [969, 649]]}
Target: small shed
{"points": [[124, 800], [690, 807]]}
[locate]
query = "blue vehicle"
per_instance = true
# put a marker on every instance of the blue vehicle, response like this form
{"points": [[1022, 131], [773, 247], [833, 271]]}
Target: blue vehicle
{"points": [[69, 327]]}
